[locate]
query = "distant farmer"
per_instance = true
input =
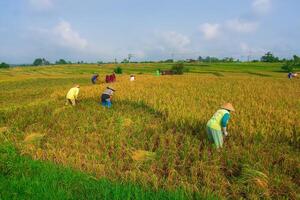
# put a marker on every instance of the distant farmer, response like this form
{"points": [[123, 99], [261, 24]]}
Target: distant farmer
{"points": [[95, 78], [132, 77], [292, 75], [72, 95], [107, 79], [113, 77], [106, 97], [216, 126], [157, 72]]}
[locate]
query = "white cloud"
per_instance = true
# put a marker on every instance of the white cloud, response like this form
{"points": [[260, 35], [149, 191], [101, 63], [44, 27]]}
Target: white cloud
{"points": [[175, 40], [41, 4], [69, 37], [172, 40], [210, 31], [241, 26], [262, 6]]}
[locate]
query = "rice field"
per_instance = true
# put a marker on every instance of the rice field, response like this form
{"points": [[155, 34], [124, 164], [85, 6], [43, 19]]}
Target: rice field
{"points": [[155, 133]]}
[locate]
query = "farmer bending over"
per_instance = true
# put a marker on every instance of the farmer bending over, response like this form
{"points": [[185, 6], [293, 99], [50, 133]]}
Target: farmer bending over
{"points": [[95, 78], [216, 126], [132, 77], [72, 95], [106, 97]]}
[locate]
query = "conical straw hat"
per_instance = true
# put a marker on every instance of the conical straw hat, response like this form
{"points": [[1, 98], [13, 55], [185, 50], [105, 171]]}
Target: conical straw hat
{"points": [[228, 106]]}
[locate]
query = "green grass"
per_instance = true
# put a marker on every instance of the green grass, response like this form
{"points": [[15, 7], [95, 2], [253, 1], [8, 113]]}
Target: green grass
{"points": [[24, 178]]}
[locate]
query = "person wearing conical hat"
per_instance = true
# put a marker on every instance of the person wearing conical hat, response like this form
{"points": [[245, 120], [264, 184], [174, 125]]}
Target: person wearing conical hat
{"points": [[72, 95], [216, 126], [106, 97]]}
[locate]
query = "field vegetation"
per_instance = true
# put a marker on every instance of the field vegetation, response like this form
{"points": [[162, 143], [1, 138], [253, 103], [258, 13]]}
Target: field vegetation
{"points": [[154, 136]]}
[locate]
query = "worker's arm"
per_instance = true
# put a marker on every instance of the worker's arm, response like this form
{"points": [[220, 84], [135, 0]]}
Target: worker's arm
{"points": [[224, 122]]}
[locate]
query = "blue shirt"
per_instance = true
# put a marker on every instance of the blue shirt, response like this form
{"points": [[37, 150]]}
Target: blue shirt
{"points": [[94, 78], [225, 119]]}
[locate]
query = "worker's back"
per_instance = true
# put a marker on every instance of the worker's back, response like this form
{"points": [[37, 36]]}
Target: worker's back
{"points": [[215, 121], [73, 93]]}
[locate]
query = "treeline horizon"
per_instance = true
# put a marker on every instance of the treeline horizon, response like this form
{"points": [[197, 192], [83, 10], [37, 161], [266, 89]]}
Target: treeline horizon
{"points": [[268, 58]]}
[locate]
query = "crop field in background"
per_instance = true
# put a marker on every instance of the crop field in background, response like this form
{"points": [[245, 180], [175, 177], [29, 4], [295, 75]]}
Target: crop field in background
{"points": [[154, 135]]}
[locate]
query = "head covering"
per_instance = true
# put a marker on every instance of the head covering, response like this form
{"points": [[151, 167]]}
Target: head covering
{"points": [[111, 88], [228, 106], [77, 85]]}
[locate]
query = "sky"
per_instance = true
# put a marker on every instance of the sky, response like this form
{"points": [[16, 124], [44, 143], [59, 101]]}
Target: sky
{"points": [[102, 30]]}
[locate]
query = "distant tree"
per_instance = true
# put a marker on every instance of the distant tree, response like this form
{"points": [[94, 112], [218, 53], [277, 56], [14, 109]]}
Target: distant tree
{"points": [[296, 59], [200, 59], [45, 62], [191, 60], [4, 65], [169, 61], [211, 59], [292, 64], [178, 68], [100, 62], [269, 57], [40, 61], [125, 61], [61, 62], [228, 59]]}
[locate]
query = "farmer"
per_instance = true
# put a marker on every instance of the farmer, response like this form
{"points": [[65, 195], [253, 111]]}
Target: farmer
{"points": [[107, 79], [216, 126], [113, 77], [106, 97], [290, 75], [94, 78], [72, 95], [132, 77]]}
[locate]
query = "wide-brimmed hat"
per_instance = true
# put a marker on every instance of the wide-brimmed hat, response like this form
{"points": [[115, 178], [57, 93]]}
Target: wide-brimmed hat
{"points": [[77, 85], [228, 106], [111, 88]]}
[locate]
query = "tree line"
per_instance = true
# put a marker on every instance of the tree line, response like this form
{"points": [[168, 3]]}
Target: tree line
{"points": [[289, 64]]}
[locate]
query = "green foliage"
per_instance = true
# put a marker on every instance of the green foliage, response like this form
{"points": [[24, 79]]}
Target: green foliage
{"points": [[178, 68], [291, 65], [168, 61], [118, 70], [288, 66], [228, 59], [125, 61], [4, 65], [40, 62], [61, 62], [269, 57], [209, 59]]}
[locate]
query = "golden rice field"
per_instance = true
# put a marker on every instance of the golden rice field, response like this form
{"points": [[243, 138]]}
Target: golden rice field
{"points": [[155, 136]]}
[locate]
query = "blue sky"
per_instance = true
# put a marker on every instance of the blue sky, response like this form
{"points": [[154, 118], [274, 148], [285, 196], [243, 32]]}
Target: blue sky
{"points": [[94, 30]]}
